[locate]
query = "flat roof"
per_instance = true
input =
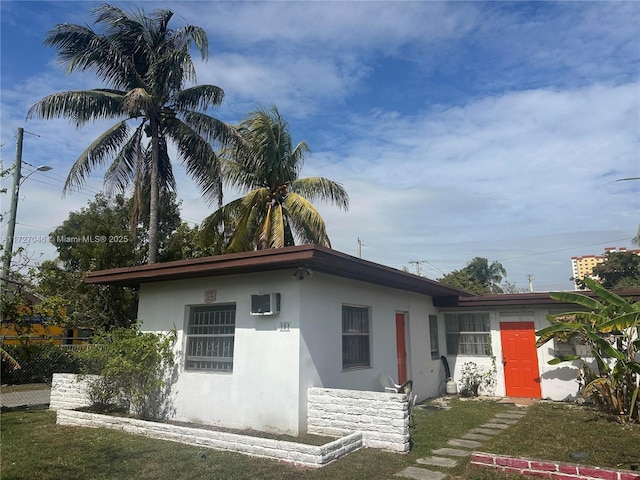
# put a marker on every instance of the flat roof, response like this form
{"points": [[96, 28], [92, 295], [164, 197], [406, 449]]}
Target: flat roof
{"points": [[314, 257]]}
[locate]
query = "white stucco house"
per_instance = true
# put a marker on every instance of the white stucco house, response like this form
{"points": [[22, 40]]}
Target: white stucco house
{"points": [[257, 329]]}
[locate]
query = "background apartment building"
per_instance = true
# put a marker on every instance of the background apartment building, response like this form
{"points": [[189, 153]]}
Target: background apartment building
{"points": [[583, 266]]}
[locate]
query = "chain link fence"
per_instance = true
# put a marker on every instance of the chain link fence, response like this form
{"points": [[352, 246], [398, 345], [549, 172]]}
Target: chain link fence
{"points": [[29, 384]]}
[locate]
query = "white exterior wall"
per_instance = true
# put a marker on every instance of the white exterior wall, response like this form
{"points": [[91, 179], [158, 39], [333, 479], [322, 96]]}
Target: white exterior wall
{"points": [[273, 369], [322, 297], [262, 391], [558, 382]]}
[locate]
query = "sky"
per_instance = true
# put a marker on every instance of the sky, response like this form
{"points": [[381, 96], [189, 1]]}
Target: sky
{"points": [[459, 129]]}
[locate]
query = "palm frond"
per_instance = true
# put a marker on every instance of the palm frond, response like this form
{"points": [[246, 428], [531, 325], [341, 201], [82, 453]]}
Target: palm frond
{"points": [[79, 106], [80, 48], [200, 97], [305, 221], [211, 129], [126, 164], [199, 159], [96, 154], [236, 175], [278, 228], [189, 34], [320, 188]]}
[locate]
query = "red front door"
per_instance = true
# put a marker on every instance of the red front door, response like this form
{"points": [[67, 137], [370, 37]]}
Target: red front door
{"points": [[401, 348], [520, 359]]}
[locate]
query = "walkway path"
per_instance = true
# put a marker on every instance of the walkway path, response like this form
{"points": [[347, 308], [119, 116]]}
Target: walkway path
{"points": [[460, 447]]}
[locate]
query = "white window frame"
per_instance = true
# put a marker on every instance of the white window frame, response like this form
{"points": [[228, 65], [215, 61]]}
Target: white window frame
{"points": [[210, 337], [356, 333], [463, 326]]}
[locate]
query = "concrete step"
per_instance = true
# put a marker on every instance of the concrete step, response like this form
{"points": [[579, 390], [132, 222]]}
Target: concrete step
{"points": [[421, 474], [484, 431], [453, 452], [437, 462], [501, 426], [458, 442], [508, 421], [476, 436]]}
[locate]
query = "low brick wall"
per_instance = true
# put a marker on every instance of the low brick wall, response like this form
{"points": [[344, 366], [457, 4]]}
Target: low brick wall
{"points": [[291, 452], [548, 469], [383, 418], [69, 391]]}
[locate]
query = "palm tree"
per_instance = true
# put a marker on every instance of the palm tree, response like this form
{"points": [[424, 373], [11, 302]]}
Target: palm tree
{"points": [[146, 66], [276, 210], [489, 276]]}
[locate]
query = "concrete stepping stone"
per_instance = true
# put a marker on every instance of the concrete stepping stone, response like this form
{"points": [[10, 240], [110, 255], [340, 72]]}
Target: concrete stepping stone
{"points": [[453, 452], [437, 462], [458, 442], [421, 474], [501, 426], [509, 421], [484, 431], [475, 436], [520, 413], [509, 415]]}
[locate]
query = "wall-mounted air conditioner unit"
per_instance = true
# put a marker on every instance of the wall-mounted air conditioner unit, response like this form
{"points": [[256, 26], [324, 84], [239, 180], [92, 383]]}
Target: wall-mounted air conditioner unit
{"points": [[265, 304]]}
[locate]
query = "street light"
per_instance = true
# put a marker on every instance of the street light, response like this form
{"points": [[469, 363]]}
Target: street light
{"points": [[18, 180]]}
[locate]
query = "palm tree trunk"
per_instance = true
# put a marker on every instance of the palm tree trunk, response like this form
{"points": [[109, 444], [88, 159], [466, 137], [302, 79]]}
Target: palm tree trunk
{"points": [[153, 202]]}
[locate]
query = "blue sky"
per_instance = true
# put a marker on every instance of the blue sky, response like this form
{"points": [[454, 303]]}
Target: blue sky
{"points": [[459, 129]]}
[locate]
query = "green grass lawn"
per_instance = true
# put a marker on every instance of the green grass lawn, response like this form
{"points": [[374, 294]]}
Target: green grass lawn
{"points": [[33, 446]]}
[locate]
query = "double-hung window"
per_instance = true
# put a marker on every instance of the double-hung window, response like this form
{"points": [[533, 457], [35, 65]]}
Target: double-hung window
{"points": [[210, 338], [468, 333], [356, 346]]}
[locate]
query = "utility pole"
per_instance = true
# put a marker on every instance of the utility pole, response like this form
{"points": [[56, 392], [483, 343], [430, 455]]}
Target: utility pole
{"points": [[11, 228], [359, 248], [530, 278], [417, 264], [8, 246]]}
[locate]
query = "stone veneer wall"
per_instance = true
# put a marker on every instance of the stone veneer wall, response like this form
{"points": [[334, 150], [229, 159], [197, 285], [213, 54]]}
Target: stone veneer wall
{"points": [[69, 391], [383, 418], [548, 469], [291, 452]]}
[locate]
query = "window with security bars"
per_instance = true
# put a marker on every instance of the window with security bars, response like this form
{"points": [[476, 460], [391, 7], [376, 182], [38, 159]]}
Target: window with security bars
{"points": [[210, 337], [355, 337], [433, 337], [468, 333]]}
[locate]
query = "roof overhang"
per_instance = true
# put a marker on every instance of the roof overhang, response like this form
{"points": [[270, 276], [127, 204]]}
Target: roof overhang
{"points": [[525, 299], [317, 258]]}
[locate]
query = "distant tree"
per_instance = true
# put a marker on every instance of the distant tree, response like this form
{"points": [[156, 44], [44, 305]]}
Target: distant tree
{"points": [[508, 287], [619, 270], [478, 276], [461, 279], [276, 209], [98, 237], [185, 242], [488, 275]]}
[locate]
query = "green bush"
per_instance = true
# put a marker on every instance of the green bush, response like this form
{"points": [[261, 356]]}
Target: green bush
{"points": [[136, 370], [38, 362]]}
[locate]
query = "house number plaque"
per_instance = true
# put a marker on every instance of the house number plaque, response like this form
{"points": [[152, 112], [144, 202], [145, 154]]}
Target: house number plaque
{"points": [[284, 326], [210, 296]]}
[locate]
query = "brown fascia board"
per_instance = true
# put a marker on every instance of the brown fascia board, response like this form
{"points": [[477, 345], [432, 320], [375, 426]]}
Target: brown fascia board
{"points": [[317, 258], [526, 299]]}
